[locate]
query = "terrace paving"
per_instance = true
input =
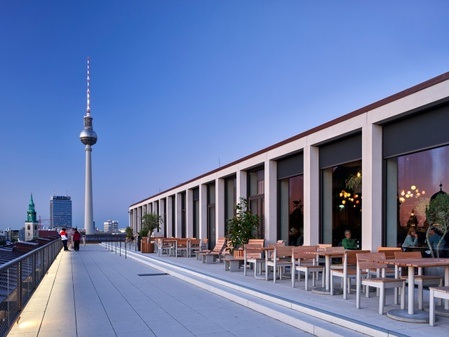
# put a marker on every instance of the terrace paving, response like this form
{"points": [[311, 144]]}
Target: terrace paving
{"points": [[97, 292]]}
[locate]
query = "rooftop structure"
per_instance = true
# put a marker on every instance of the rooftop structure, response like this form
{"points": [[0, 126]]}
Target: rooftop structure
{"points": [[348, 173]]}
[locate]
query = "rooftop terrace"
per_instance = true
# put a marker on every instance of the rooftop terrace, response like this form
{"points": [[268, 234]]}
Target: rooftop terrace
{"points": [[96, 292]]}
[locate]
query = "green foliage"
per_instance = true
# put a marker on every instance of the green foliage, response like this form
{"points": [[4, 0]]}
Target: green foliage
{"points": [[354, 182], [129, 232], [438, 216], [150, 223], [243, 226]]}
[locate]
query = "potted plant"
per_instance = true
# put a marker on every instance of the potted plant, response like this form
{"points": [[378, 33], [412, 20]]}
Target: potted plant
{"points": [[150, 223], [242, 227], [438, 217]]}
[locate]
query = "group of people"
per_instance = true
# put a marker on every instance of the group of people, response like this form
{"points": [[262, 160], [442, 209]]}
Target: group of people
{"points": [[75, 237], [411, 240]]}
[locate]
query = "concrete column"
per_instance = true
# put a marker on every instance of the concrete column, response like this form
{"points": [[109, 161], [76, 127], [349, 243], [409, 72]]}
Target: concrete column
{"points": [[241, 185], [161, 203], [189, 213], [219, 207], [311, 195], [371, 186], [139, 218], [270, 200], [135, 224], [169, 217], [178, 215], [203, 212]]}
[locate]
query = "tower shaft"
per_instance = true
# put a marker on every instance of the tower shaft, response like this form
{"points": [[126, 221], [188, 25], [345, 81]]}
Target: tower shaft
{"points": [[88, 194]]}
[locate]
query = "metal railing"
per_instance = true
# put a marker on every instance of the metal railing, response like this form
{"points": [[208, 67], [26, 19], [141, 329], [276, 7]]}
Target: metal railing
{"points": [[120, 247], [20, 277]]}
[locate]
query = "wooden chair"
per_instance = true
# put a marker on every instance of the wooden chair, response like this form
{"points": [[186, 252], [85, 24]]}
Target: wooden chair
{"points": [[389, 254], [436, 292], [211, 256], [194, 246], [252, 255], [335, 249], [260, 242], [202, 249], [277, 260], [348, 272], [367, 262], [420, 280], [165, 246], [182, 247], [303, 261], [389, 251]]}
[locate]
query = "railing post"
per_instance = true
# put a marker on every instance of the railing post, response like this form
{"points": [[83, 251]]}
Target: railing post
{"points": [[19, 285], [34, 262]]}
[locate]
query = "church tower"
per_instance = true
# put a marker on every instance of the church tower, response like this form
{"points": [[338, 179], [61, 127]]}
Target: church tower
{"points": [[31, 224]]}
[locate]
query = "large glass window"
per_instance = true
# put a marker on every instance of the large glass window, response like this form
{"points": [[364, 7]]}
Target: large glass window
{"points": [[291, 216], [412, 179], [341, 202], [256, 197], [230, 200]]}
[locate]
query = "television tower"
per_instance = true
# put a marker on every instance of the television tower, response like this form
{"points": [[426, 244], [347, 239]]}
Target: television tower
{"points": [[88, 137]]}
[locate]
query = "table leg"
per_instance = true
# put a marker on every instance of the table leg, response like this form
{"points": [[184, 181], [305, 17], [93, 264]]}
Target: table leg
{"points": [[446, 283], [327, 263], [411, 290]]}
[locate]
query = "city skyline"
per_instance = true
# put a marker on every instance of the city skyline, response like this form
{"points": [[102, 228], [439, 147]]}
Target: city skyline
{"points": [[199, 82]]}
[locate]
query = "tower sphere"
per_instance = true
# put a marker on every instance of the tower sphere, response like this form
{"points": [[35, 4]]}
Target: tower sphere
{"points": [[88, 137]]}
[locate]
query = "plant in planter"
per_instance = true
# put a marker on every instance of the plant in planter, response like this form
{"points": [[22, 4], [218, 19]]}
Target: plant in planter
{"points": [[438, 217], [243, 226], [150, 223]]}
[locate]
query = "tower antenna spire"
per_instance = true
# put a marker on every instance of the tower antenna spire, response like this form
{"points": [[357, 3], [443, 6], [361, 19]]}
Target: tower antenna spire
{"points": [[88, 87]]}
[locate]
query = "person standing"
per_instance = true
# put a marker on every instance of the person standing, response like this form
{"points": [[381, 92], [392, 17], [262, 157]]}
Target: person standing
{"points": [[76, 240], [64, 238]]}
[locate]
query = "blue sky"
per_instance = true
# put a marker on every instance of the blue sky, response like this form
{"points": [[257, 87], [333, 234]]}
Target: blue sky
{"points": [[179, 87]]}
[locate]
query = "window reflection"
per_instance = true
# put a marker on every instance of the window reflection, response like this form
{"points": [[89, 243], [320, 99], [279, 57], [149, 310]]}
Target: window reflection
{"points": [[342, 202], [419, 176], [291, 227]]}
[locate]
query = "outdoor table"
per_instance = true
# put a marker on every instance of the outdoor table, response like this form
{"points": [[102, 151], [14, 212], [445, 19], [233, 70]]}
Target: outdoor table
{"points": [[410, 315], [328, 256]]}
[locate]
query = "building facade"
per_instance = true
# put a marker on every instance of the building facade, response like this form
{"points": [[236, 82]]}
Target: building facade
{"points": [[110, 226], [369, 171], [60, 211]]}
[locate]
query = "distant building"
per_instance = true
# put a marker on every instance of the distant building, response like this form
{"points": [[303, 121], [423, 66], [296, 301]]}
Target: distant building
{"points": [[31, 223], [110, 226], [60, 211]]}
